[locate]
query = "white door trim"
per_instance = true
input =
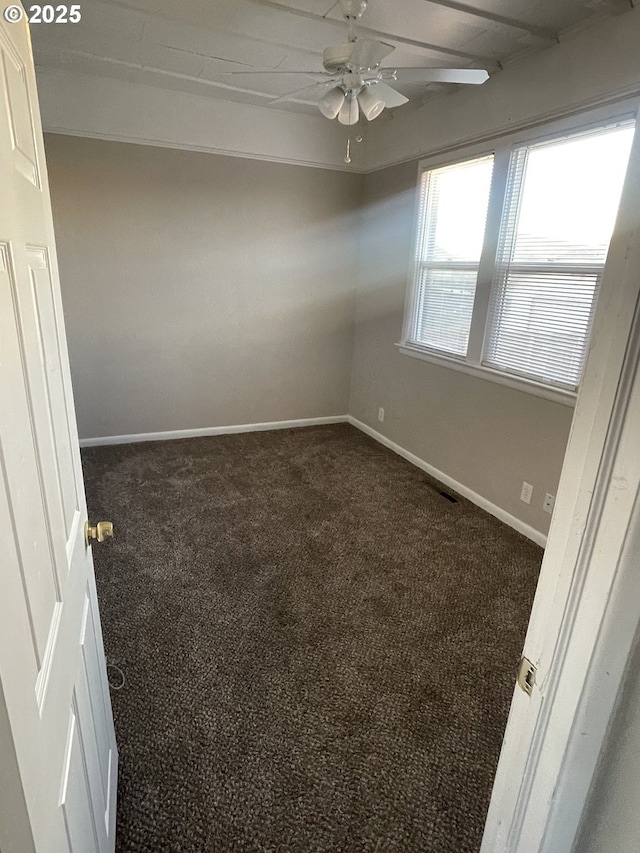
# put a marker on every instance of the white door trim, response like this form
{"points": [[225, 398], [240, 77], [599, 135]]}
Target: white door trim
{"points": [[548, 757]]}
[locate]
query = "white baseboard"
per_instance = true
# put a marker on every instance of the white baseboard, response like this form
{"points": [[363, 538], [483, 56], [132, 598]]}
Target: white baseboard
{"points": [[474, 497], [517, 524], [168, 435]]}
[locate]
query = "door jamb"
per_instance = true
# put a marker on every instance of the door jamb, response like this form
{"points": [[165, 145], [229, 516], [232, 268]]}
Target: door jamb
{"points": [[536, 804]]}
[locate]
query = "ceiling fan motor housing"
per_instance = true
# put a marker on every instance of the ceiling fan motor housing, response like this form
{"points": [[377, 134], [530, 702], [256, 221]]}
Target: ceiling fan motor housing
{"points": [[336, 57], [353, 8]]}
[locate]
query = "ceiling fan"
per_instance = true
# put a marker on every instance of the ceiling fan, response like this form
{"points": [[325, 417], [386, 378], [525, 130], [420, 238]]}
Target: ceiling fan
{"points": [[355, 81]]}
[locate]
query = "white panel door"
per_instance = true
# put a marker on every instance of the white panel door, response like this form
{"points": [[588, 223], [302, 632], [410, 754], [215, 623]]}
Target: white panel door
{"points": [[52, 665]]}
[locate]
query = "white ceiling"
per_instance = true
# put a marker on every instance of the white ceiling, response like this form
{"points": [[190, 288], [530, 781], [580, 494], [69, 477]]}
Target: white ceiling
{"points": [[188, 45]]}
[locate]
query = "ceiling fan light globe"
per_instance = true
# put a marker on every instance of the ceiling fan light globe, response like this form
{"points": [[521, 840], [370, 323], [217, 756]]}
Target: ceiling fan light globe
{"points": [[350, 112], [370, 105], [331, 103]]}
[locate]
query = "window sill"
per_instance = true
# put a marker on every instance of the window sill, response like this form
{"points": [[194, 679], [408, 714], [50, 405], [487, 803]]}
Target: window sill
{"points": [[558, 395]]}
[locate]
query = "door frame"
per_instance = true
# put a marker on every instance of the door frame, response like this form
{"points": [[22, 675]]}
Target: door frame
{"points": [[585, 614]]}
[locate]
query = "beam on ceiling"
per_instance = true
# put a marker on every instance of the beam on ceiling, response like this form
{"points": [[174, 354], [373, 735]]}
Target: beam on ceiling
{"points": [[163, 72], [491, 61], [543, 33], [156, 13]]}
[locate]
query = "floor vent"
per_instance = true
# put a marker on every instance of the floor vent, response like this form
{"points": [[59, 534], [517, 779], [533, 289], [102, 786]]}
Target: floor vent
{"points": [[448, 497]]}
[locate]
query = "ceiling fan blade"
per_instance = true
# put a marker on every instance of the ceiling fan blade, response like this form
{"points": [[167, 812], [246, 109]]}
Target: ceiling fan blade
{"points": [[311, 89], [269, 71], [441, 75], [390, 97], [368, 53]]}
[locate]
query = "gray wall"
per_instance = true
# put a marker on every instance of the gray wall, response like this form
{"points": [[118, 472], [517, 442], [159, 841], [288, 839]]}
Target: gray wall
{"points": [[202, 290], [486, 436], [611, 822]]}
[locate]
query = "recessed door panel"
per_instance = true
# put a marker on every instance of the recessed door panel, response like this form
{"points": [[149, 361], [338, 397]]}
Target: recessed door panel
{"points": [[49, 403], [37, 563], [75, 798], [18, 106]]}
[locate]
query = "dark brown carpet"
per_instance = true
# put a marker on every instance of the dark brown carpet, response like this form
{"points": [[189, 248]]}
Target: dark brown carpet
{"points": [[319, 648]]}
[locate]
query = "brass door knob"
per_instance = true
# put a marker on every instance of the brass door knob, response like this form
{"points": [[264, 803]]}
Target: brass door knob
{"points": [[102, 530]]}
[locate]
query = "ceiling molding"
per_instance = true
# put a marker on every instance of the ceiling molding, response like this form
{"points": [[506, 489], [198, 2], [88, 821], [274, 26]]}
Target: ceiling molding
{"points": [[184, 146], [104, 108]]}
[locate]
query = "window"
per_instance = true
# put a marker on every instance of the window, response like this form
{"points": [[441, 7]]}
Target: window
{"points": [[454, 209], [513, 293]]}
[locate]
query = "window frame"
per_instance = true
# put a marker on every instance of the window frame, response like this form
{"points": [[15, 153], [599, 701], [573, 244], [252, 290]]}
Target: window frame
{"points": [[502, 149], [420, 265]]}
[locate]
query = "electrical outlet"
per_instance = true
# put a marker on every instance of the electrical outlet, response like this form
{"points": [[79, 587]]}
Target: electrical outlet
{"points": [[526, 492], [549, 503], [380, 414]]}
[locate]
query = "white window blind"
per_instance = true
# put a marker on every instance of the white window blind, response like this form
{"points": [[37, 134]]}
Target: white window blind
{"points": [[453, 212], [561, 201]]}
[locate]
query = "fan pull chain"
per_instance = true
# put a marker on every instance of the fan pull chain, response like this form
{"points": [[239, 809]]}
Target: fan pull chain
{"points": [[347, 158]]}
